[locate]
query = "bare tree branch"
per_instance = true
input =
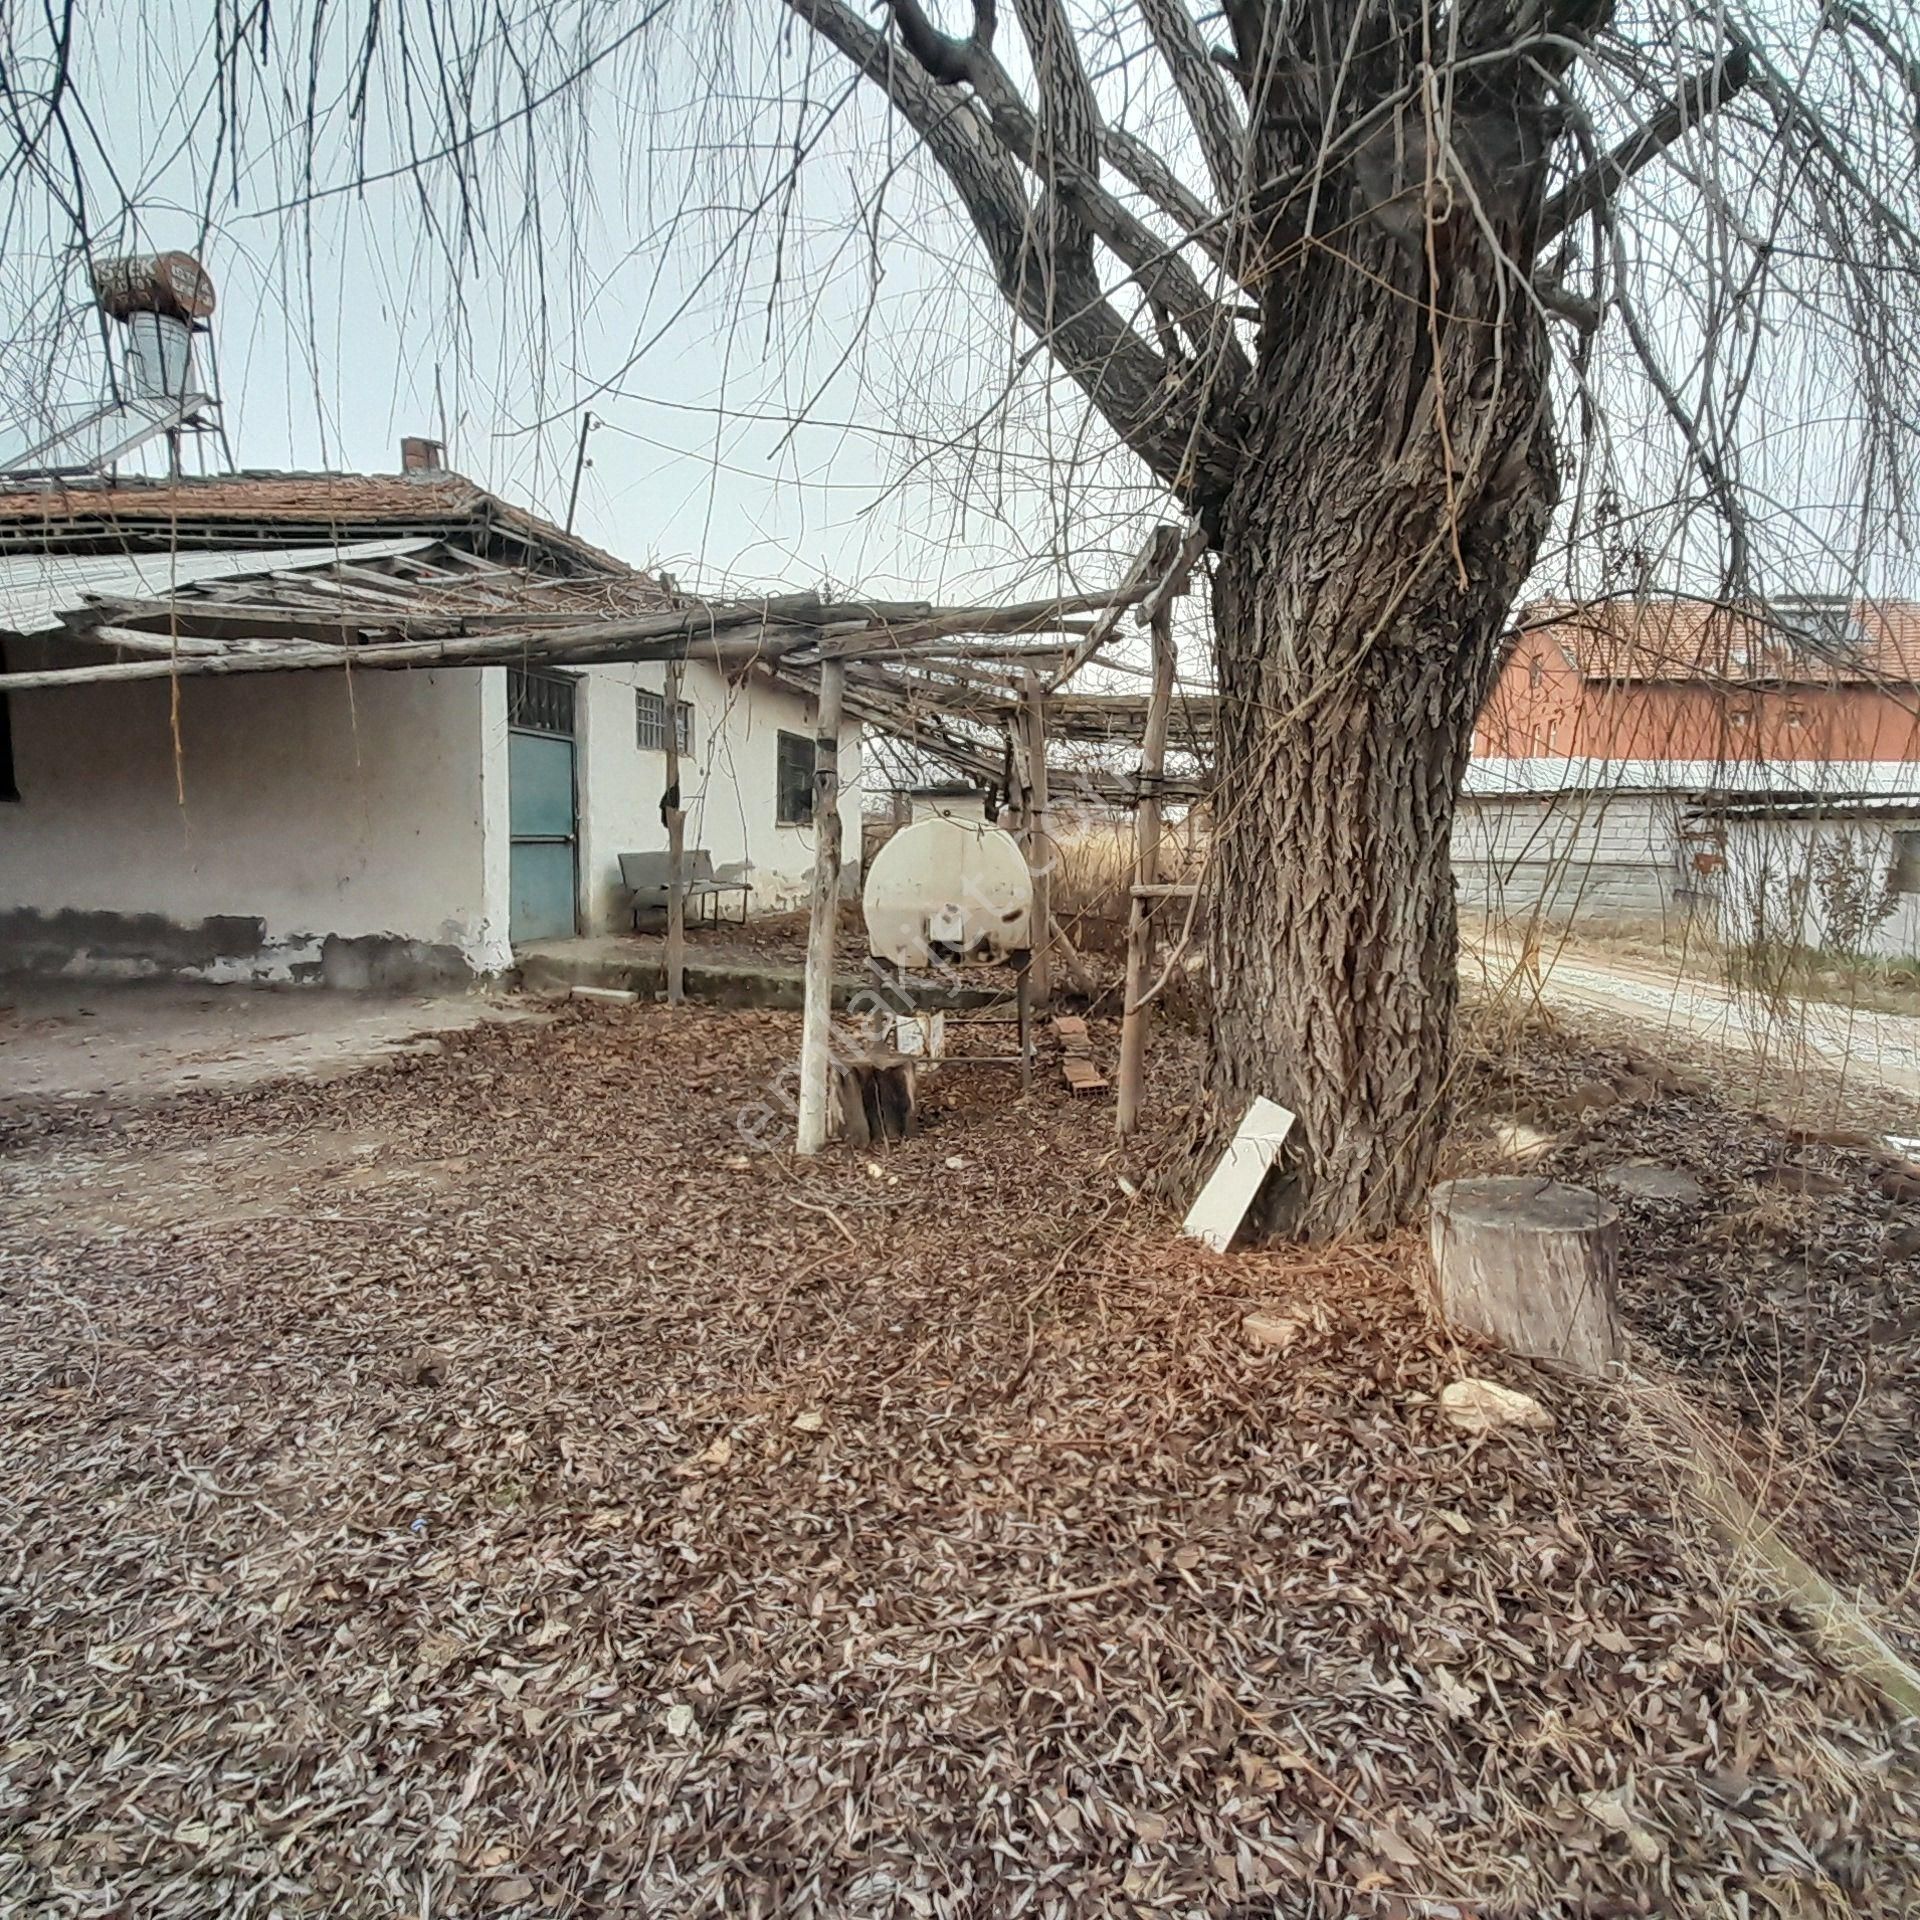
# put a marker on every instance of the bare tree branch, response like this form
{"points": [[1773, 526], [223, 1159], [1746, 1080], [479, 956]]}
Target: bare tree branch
{"points": [[1217, 121], [1692, 103], [1119, 372]]}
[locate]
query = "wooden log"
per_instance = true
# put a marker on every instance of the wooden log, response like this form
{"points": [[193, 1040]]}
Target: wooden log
{"points": [[816, 1028], [1146, 877], [675, 817], [874, 1097], [1039, 838], [735, 641], [1530, 1263]]}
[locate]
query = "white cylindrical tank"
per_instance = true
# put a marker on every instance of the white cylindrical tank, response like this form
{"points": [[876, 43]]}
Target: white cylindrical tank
{"points": [[945, 889]]}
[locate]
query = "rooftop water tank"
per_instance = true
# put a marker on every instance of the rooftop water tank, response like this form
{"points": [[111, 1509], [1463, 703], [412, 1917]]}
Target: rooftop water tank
{"points": [[948, 890]]}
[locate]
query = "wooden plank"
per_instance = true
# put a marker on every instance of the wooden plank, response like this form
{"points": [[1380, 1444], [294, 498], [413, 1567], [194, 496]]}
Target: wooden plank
{"points": [[1222, 1204], [816, 1033]]}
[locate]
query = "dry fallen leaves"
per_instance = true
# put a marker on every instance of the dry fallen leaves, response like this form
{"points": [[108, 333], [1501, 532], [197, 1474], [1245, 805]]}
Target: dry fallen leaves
{"points": [[1079, 1607]]}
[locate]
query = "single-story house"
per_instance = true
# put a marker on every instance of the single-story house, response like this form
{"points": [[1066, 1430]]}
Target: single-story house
{"points": [[391, 827]]}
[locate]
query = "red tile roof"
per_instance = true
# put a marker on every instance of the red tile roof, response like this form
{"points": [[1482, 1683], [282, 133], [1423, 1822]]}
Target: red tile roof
{"points": [[225, 508], [1793, 643]]}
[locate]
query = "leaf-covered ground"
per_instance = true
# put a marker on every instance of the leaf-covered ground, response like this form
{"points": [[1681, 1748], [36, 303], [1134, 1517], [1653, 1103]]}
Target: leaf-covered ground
{"points": [[499, 1484], [1787, 1294]]}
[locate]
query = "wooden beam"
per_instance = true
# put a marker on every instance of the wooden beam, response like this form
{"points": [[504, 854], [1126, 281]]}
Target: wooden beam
{"points": [[816, 1027], [149, 646], [1159, 576], [675, 817], [1139, 576], [1146, 877], [739, 643], [1039, 838]]}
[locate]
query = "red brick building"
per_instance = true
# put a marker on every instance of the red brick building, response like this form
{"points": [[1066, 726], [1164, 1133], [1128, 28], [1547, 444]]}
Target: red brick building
{"points": [[1690, 681]]}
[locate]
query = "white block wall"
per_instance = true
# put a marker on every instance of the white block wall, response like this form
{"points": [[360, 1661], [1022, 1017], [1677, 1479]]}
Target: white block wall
{"points": [[1571, 857]]}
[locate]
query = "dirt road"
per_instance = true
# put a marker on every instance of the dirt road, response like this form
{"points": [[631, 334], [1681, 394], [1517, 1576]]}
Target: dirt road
{"points": [[1789, 1036]]}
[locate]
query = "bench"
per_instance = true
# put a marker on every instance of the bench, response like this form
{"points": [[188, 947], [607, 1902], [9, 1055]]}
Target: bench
{"points": [[648, 877]]}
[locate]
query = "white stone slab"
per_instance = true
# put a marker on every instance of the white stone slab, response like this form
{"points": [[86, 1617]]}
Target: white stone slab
{"points": [[920, 1033], [1223, 1202]]}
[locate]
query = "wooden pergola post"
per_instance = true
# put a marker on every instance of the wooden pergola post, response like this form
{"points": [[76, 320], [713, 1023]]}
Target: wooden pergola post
{"points": [[816, 1023], [1147, 826], [1039, 838], [675, 817]]}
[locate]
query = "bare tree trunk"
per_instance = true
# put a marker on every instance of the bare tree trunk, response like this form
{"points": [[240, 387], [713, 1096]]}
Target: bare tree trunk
{"points": [[1358, 612]]}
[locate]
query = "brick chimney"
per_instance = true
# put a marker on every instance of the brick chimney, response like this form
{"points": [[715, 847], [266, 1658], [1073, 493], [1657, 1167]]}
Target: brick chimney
{"points": [[418, 455]]}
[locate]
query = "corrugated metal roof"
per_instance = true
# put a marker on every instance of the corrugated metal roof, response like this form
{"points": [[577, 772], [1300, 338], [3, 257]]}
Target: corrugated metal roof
{"points": [[1540, 776], [36, 588]]}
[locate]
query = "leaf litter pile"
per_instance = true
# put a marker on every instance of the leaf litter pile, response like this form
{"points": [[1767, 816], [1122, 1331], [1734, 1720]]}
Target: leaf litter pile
{"points": [[498, 1483]]}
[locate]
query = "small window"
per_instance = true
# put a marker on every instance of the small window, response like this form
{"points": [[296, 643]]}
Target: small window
{"points": [[1905, 877], [539, 702], [650, 722], [793, 776], [1536, 668]]}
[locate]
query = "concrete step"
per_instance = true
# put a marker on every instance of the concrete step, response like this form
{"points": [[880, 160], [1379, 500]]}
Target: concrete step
{"points": [[558, 966]]}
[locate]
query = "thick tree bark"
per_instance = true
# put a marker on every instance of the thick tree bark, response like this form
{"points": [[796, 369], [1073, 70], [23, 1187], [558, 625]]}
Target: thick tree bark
{"points": [[1375, 475], [1352, 660]]}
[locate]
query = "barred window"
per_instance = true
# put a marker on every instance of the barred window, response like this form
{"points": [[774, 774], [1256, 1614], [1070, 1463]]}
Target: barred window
{"points": [[650, 722], [793, 780], [539, 702]]}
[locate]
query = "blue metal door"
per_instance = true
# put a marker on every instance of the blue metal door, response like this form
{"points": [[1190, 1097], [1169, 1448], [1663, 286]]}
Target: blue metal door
{"points": [[540, 803]]}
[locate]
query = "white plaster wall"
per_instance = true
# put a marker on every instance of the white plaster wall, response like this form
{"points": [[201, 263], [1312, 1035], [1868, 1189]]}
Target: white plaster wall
{"points": [[496, 819], [316, 805], [726, 786], [1770, 888]]}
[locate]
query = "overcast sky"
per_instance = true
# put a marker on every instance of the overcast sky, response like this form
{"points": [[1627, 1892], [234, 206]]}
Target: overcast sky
{"points": [[604, 274]]}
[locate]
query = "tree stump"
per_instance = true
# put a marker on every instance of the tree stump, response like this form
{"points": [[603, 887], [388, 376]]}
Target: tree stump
{"points": [[875, 1096], [1530, 1263]]}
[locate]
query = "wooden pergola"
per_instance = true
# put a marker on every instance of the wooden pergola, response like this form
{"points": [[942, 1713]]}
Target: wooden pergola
{"points": [[981, 689]]}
